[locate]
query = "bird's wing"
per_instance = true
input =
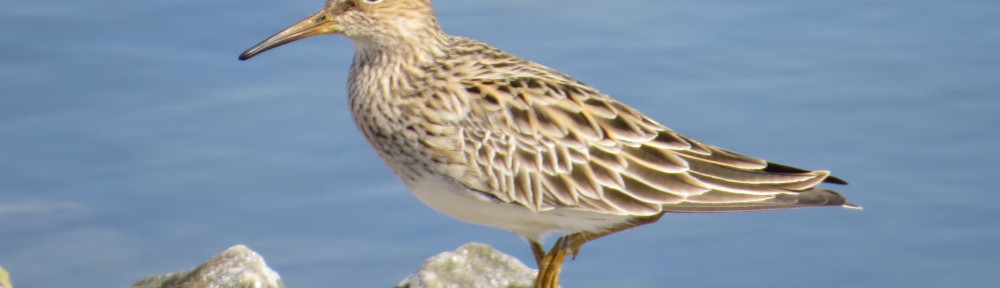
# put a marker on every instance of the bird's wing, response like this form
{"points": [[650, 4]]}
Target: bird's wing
{"points": [[545, 143]]}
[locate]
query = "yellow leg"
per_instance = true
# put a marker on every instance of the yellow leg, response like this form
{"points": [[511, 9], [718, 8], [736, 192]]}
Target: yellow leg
{"points": [[539, 252], [550, 264]]}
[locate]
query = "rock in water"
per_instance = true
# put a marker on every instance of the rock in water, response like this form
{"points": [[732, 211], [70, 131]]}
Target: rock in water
{"points": [[237, 267], [472, 265]]}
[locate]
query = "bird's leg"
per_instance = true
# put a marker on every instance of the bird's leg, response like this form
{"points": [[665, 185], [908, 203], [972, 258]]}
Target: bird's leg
{"points": [[539, 252], [550, 265]]}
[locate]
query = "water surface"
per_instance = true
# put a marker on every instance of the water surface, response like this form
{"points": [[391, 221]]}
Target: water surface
{"points": [[132, 142]]}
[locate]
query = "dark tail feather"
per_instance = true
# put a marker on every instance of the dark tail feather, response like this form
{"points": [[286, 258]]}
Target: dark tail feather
{"points": [[780, 168]]}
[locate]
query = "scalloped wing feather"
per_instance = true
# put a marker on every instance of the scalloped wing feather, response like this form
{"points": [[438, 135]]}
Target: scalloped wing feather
{"points": [[553, 142]]}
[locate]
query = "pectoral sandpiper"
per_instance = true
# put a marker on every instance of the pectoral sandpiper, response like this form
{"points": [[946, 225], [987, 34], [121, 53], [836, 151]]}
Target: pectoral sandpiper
{"points": [[493, 139]]}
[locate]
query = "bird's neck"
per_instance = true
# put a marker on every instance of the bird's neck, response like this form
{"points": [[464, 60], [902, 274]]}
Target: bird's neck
{"points": [[411, 46], [390, 67]]}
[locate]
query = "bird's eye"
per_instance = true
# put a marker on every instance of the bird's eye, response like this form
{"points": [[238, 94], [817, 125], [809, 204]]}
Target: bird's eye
{"points": [[372, 1]]}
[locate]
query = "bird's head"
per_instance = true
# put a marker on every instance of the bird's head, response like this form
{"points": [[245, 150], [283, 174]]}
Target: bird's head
{"points": [[367, 22]]}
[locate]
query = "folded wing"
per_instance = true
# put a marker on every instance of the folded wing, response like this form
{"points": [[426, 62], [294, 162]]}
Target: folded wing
{"points": [[545, 143]]}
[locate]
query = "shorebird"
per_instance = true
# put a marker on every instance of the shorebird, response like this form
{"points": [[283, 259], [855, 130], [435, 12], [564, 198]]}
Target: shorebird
{"points": [[489, 138]]}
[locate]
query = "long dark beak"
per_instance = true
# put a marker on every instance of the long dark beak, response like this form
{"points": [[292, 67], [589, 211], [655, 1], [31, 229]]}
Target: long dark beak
{"points": [[316, 24]]}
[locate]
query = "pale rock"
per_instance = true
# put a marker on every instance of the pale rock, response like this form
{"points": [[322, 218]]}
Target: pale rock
{"points": [[237, 267], [472, 265]]}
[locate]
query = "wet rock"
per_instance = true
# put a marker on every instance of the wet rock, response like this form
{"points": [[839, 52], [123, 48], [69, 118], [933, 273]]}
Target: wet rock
{"points": [[472, 265], [237, 267]]}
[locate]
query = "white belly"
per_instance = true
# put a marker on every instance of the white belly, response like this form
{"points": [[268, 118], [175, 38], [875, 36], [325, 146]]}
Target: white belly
{"points": [[455, 200]]}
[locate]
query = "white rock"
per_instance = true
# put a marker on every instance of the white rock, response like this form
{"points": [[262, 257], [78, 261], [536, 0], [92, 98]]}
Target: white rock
{"points": [[237, 267], [472, 265]]}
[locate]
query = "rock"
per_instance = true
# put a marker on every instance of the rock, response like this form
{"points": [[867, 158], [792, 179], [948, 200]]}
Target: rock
{"points": [[5, 279], [237, 267], [472, 265]]}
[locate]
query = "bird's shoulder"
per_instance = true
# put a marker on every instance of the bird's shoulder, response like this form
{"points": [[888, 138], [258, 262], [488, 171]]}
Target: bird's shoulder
{"points": [[471, 61]]}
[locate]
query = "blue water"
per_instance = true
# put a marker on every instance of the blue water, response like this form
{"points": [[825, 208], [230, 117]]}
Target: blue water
{"points": [[132, 142]]}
